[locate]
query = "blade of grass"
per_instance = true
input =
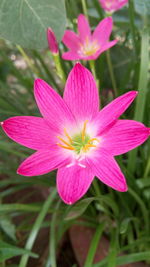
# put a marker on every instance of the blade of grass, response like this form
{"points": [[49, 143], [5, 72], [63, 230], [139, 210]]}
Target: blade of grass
{"points": [[36, 227], [131, 258], [112, 255], [142, 88], [52, 246], [93, 246]]}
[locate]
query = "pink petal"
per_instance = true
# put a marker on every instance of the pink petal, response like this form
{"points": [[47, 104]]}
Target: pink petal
{"points": [[73, 182], [103, 30], [71, 55], [124, 136], [100, 51], [43, 161], [71, 40], [52, 106], [32, 132], [83, 28], [107, 170], [107, 46], [81, 93], [52, 41], [110, 113]]}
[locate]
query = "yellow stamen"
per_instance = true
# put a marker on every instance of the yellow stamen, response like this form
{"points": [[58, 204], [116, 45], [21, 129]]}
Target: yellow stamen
{"points": [[84, 130], [66, 143], [67, 135], [66, 147]]}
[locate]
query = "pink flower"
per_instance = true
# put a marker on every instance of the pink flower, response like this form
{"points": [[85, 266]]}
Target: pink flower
{"points": [[52, 41], [75, 137], [112, 5], [85, 45]]}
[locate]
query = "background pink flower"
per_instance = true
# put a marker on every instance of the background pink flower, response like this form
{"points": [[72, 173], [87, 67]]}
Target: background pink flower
{"points": [[86, 45], [75, 137], [112, 5], [52, 41]]}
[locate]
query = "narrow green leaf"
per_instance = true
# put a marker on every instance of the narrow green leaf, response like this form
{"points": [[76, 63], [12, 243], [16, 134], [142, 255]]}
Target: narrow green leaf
{"points": [[8, 251], [8, 227], [142, 88], [131, 258], [36, 227], [93, 246]]}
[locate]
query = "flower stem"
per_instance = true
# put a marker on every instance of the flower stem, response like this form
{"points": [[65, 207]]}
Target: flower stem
{"points": [[142, 89], [142, 206], [84, 8], [36, 227], [59, 68], [147, 170], [111, 71], [92, 67]]}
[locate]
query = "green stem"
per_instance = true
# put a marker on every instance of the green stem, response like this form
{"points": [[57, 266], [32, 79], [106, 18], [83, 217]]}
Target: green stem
{"points": [[143, 208], [28, 60], [142, 88], [52, 257], [36, 227], [59, 68], [111, 71], [132, 25], [84, 8], [93, 246], [147, 170], [96, 188], [92, 67]]}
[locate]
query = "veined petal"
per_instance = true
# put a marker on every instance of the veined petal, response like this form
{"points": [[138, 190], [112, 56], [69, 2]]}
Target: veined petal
{"points": [[73, 182], [43, 161], [83, 28], [52, 106], [81, 93], [124, 136], [107, 170], [32, 132], [71, 40], [110, 113], [103, 30]]}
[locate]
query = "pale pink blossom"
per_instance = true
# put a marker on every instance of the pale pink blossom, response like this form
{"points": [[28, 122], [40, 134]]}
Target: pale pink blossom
{"points": [[52, 41], [112, 5], [86, 45], [76, 138]]}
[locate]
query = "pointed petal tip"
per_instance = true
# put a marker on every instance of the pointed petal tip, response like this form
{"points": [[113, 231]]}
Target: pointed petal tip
{"points": [[1, 123]]}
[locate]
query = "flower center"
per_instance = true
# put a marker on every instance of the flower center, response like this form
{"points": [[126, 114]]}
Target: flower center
{"points": [[89, 47], [78, 143]]}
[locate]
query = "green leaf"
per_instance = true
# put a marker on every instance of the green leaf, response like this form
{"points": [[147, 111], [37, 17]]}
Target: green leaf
{"points": [[24, 22], [8, 227], [79, 208], [125, 223], [8, 251], [142, 7]]}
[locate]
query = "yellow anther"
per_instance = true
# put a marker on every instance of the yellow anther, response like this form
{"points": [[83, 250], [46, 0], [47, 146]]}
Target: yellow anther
{"points": [[66, 143], [84, 130], [67, 135], [66, 147]]}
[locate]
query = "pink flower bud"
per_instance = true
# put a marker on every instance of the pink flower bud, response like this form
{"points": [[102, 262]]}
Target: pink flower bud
{"points": [[112, 5], [52, 42]]}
